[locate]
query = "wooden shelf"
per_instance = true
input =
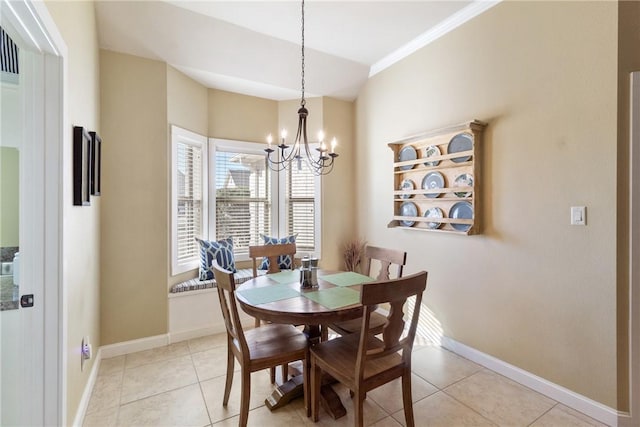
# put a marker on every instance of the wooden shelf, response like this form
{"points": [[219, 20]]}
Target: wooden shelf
{"points": [[452, 172]]}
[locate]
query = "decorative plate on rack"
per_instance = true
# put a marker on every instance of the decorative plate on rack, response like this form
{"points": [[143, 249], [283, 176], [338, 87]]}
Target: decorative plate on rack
{"points": [[431, 181], [431, 151], [407, 185], [434, 212], [408, 209], [407, 153], [464, 180], [460, 142], [461, 210]]}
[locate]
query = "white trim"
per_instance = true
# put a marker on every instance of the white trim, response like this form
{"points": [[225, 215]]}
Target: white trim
{"points": [[88, 390], [174, 337], [633, 418], [126, 347], [580, 403], [449, 24], [183, 136]]}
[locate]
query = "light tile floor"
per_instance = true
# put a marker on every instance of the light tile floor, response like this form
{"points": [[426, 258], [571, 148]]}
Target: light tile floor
{"points": [[182, 385]]}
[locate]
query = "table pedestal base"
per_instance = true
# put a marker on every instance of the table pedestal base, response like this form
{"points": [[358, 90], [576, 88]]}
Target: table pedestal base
{"points": [[331, 403], [294, 388], [286, 392]]}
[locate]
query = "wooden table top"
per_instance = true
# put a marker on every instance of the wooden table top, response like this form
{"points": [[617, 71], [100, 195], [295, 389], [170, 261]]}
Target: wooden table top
{"points": [[295, 308]]}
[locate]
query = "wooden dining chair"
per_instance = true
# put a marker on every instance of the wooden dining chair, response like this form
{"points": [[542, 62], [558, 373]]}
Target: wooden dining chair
{"points": [[256, 349], [363, 362], [386, 258], [272, 253]]}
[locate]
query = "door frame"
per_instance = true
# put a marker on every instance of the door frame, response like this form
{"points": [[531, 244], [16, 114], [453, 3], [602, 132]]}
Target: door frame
{"points": [[36, 26], [634, 252]]}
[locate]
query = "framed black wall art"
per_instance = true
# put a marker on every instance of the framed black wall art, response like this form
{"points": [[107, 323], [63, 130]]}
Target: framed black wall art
{"points": [[81, 166], [96, 163]]}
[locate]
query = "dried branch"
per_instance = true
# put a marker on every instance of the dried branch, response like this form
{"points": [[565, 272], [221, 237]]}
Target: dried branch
{"points": [[353, 251]]}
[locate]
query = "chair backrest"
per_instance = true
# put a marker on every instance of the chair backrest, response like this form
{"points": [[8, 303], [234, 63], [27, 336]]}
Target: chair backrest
{"points": [[386, 257], [227, 294], [394, 292], [272, 252]]}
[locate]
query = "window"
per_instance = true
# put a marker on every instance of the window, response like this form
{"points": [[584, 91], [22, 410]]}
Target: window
{"points": [[243, 195], [302, 209], [188, 198], [250, 200], [227, 190]]}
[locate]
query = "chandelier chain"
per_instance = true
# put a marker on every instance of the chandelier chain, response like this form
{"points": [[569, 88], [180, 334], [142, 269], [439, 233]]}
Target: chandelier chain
{"points": [[302, 100], [300, 153]]}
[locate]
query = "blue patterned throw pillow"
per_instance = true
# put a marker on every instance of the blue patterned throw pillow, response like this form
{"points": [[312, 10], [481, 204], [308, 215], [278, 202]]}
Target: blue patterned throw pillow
{"points": [[284, 262], [222, 251]]}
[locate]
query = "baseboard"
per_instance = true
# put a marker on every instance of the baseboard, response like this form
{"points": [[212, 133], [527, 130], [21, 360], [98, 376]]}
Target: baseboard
{"points": [[126, 347], [576, 401], [194, 333], [88, 389]]}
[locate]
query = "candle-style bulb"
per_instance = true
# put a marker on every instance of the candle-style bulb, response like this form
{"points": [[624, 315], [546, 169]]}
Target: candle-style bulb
{"points": [[269, 140], [283, 133], [334, 142], [320, 136]]}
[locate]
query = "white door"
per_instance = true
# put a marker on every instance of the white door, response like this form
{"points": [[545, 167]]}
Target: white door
{"points": [[30, 385]]}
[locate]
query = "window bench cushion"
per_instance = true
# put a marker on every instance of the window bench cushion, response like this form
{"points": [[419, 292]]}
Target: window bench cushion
{"points": [[240, 276]]}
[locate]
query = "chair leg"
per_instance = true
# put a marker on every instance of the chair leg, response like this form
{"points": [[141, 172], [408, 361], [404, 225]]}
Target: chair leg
{"points": [[316, 380], [324, 333], [285, 372], [244, 398], [407, 399], [358, 404], [272, 375], [306, 384], [227, 386]]}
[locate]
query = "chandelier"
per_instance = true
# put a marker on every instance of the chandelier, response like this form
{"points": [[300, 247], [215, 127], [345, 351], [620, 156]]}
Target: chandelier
{"points": [[322, 162]]}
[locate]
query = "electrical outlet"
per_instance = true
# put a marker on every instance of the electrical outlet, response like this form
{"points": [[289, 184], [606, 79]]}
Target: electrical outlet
{"points": [[85, 351], [82, 359]]}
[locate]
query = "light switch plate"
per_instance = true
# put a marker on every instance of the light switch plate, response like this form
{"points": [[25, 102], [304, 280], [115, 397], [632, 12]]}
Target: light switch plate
{"points": [[578, 215]]}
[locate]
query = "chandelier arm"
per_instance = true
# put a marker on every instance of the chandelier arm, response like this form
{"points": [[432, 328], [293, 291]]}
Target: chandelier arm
{"points": [[275, 165]]}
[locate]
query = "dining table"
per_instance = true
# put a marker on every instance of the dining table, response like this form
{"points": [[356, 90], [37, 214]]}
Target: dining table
{"points": [[279, 298]]}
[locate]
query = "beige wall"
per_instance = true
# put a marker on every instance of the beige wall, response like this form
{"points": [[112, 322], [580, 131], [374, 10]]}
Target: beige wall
{"points": [[81, 225], [531, 290], [135, 221], [241, 117], [187, 107], [338, 188]]}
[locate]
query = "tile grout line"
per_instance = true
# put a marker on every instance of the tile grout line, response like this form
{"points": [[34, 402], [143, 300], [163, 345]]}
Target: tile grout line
{"points": [[543, 414], [495, 423]]}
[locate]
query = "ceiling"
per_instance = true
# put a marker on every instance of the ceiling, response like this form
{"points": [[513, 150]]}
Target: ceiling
{"points": [[253, 47]]}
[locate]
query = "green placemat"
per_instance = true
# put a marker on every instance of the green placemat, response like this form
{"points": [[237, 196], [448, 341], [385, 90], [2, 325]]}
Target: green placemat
{"points": [[266, 294], [347, 278], [334, 297], [286, 276]]}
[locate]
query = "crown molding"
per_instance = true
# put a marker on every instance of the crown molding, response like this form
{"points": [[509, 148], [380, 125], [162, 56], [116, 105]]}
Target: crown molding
{"points": [[449, 24]]}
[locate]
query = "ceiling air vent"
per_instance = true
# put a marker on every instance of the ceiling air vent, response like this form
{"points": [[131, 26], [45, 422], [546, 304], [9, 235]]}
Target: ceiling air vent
{"points": [[8, 58]]}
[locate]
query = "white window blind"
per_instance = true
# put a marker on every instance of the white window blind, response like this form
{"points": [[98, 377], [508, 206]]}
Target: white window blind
{"points": [[188, 198], [301, 208], [243, 197]]}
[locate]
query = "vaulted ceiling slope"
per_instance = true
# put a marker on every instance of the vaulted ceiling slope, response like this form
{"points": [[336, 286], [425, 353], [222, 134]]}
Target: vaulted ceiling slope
{"points": [[253, 47]]}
